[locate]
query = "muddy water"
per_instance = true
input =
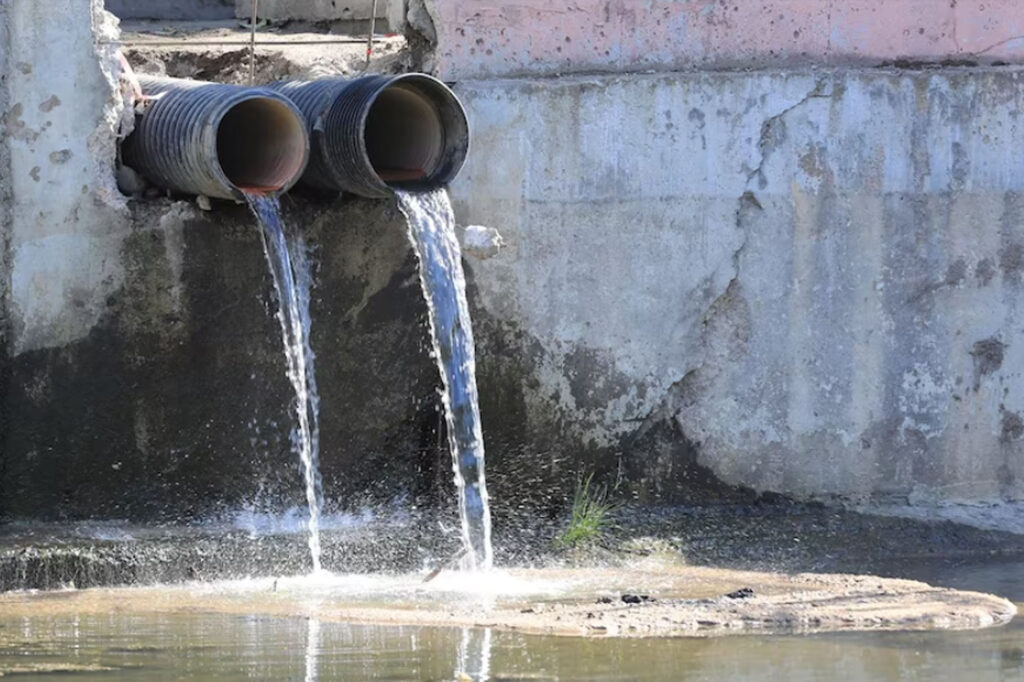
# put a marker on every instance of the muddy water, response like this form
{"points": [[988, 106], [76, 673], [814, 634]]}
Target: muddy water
{"points": [[212, 646]]}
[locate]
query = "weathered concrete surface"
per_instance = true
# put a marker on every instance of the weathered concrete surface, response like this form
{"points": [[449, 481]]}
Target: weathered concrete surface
{"points": [[66, 220], [500, 38], [811, 277], [176, 404]]}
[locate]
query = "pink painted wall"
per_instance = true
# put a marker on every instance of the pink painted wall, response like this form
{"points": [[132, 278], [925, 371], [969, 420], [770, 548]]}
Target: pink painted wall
{"points": [[515, 37]]}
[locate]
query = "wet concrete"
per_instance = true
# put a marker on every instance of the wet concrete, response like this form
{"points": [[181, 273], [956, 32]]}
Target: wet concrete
{"points": [[176, 404]]}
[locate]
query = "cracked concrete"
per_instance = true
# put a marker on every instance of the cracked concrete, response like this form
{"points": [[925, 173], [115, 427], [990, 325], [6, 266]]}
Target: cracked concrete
{"points": [[801, 281], [777, 263], [773, 132]]}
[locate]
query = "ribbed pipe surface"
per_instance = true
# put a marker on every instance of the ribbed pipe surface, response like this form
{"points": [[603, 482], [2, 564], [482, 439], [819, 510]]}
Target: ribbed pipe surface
{"points": [[216, 139], [375, 133]]}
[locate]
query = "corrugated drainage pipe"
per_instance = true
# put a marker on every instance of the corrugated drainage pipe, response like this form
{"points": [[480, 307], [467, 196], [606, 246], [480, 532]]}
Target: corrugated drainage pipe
{"points": [[374, 133], [216, 139]]}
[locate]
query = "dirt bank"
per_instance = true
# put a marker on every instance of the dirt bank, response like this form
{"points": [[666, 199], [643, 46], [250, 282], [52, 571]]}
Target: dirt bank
{"points": [[642, 601]]}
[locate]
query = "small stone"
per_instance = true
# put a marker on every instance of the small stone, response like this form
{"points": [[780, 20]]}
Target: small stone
{"points": [[203, 202], [481, 242], [742, 593], [130, 182]]}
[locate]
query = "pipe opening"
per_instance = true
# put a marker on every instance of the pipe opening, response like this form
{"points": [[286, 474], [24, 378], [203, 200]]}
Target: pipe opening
{"points": [[415, 134], [261, 145]]}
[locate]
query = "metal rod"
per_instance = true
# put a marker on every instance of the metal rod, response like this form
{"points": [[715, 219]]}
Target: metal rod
{"points": [[450, 561], [369, 39], [252, 44]]}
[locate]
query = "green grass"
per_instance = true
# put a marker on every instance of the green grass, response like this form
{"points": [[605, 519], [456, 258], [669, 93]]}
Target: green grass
{"points": [[591, 514]]}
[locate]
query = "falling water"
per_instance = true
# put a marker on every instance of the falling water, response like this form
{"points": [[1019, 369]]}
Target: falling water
{"points": [[290, 269], [432, 232]]}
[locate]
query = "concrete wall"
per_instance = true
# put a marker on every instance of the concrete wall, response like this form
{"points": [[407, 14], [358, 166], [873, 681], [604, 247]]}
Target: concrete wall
{"points": [[802, 279], [176, 405], [490, 38], [66, 219], [811, 276]]}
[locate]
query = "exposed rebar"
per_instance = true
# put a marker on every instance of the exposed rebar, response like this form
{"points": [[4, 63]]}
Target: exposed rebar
{"points": [[252, 44]]}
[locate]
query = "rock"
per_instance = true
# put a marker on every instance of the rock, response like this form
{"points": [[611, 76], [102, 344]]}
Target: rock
{"points": [[636, 598], [130, 182], [742, 593], [482, 242], [203, 202]]}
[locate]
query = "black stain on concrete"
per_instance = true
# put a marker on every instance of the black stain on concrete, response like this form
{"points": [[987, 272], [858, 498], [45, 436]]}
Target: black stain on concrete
{"points": [[1011, 261], [1012, 426], [176, 406], [956, 272], [984, 271], [988, 358]]}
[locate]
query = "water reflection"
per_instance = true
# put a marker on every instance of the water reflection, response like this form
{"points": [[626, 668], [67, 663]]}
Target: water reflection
{"points": [[189, 645], [312, 648], [474, 661]]}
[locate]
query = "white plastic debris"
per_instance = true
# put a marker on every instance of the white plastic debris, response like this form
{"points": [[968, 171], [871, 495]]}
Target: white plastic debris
{"points": [[481, 242]]}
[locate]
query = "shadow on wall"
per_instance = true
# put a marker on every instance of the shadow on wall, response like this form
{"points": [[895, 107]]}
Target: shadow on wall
{"points": [[179, 10]]}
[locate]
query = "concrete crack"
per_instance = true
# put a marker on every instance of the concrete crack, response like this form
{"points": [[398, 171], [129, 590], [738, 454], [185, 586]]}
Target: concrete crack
{"points": [[993, 46], [668, 407], [770, 132], [746, 204]]}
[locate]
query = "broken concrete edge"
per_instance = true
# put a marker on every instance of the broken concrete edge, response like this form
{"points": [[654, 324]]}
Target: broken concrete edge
{"points": [[6, 207], [117, 117]]}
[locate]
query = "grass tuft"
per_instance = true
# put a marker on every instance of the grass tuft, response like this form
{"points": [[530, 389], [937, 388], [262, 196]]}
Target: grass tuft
{"points": [[591, 514]]}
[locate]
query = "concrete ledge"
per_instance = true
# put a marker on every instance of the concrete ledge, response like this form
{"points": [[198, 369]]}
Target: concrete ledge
{"points": [[493, 38]]}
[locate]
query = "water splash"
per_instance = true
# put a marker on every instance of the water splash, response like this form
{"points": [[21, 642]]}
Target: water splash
{"points": [[289, 265], [432, 232]]}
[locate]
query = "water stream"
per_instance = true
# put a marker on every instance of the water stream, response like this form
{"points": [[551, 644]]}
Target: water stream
{"points": [[291, 272], [432, 232]]}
